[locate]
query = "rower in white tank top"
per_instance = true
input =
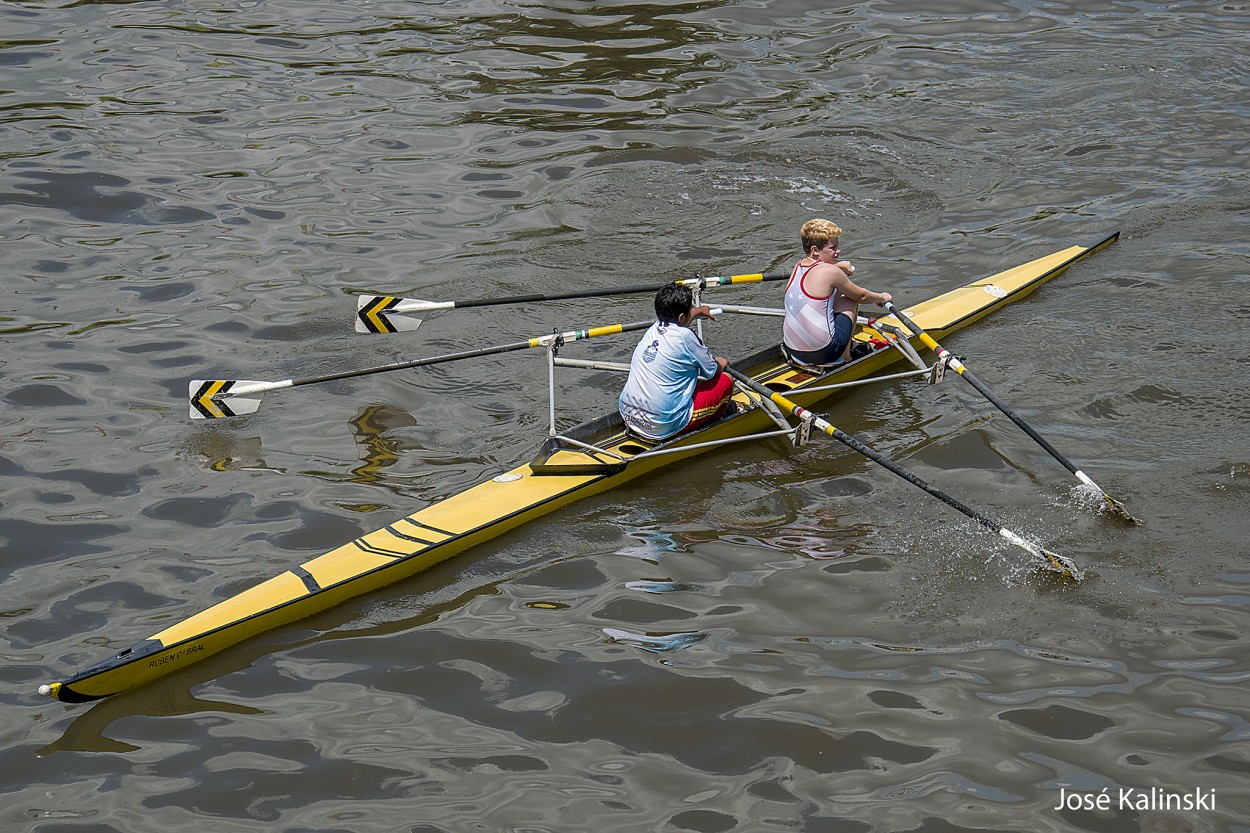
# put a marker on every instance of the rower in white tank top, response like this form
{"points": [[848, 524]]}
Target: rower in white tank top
{"points": [[822, 304], [810, 322]]}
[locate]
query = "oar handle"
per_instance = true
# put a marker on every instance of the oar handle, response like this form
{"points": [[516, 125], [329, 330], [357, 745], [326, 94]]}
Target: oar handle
{"points": [[924, 337]]}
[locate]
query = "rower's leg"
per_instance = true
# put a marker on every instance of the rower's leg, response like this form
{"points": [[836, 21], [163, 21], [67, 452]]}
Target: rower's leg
{"points": [[711, 399], [845, 325]]}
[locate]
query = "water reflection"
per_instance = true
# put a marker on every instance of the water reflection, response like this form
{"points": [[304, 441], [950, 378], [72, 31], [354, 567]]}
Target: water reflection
{"points": [[377, 451]]}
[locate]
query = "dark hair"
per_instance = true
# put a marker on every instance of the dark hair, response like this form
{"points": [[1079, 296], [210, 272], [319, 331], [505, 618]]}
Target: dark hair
{"points": [[672, 300]]}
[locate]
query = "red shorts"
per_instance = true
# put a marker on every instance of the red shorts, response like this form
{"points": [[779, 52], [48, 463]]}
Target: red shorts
{"points": [[711, 397]]}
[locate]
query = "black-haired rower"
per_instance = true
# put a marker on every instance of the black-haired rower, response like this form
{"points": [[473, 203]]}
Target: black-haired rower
{"points": [[675, 383]]}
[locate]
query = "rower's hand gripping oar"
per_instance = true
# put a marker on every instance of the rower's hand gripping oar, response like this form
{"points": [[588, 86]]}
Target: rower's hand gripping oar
{"points": [[1046, 558], [388, 314], [1114, 505], [219, 398]]}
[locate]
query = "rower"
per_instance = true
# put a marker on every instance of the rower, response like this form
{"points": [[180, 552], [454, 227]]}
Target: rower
{"points": [[675, 382], [821, 300]]}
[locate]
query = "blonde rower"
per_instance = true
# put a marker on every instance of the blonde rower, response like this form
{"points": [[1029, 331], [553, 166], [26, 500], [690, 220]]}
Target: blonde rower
{"points": [[821, 301]]}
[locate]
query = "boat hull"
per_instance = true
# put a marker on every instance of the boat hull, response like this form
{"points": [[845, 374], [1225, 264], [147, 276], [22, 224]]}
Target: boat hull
{"points": [[562, 474]]}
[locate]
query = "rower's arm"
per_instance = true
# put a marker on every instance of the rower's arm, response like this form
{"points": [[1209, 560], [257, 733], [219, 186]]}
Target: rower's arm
{"points": [[857, 293]]}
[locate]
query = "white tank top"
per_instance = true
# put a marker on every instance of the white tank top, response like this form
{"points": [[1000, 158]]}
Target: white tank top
{"points": [[809, 320]]}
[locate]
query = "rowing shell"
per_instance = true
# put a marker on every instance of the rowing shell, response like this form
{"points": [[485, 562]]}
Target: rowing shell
{"points": [[563, 471]]}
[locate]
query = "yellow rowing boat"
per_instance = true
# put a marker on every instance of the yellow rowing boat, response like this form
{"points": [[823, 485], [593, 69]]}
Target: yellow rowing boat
{"points": [[588, 459]]}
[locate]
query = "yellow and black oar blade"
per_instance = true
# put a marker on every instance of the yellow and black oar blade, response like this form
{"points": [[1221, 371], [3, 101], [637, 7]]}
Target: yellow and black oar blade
{"points": [[383, 314], [1045, 558], [221, 398], [958, 366]]}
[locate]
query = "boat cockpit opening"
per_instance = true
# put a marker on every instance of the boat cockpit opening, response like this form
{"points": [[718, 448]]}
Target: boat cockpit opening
{"points": [[605, 446]]}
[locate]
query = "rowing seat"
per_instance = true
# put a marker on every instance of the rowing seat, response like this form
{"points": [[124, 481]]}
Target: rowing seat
{"points": [[814, 369], [634, 437], [859, 349]]}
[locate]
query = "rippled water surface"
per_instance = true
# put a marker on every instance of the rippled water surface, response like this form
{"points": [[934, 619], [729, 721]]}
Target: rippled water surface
{"points": [[762, 639]]}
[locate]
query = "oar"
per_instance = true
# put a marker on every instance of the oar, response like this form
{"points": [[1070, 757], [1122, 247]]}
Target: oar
{"points": [[385, 314], [1114, 505], [1046, 558], [218, 398]]}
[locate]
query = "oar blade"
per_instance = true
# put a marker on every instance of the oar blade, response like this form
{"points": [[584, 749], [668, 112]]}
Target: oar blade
{"points": [[1114, 507], [211, 399], [1052, 561], [380, 314], [1061, 564], [1119, 510]]}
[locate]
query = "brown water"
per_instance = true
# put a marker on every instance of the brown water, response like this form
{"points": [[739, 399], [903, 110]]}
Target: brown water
{"points": [[762, 640]]}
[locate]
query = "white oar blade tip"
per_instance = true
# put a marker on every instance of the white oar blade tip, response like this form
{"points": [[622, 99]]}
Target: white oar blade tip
{"points": [[404, 323]]}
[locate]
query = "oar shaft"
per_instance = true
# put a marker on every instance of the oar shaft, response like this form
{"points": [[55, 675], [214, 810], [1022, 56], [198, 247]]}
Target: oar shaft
{"points": [[962, 369], [219, 398], [1055, 562], [422, 362], [880, 459], [959, 367], [910, 477], [968, 375], [724, 280], [537, 341]]}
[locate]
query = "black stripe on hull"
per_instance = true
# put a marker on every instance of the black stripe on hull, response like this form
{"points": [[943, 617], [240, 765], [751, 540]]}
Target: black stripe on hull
{"points": [[69, 695], [309, 581], [361, 545], [443, 532]]}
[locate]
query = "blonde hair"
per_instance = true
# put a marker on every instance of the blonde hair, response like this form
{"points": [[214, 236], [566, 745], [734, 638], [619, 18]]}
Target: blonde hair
{"points": [[818, 233]]}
